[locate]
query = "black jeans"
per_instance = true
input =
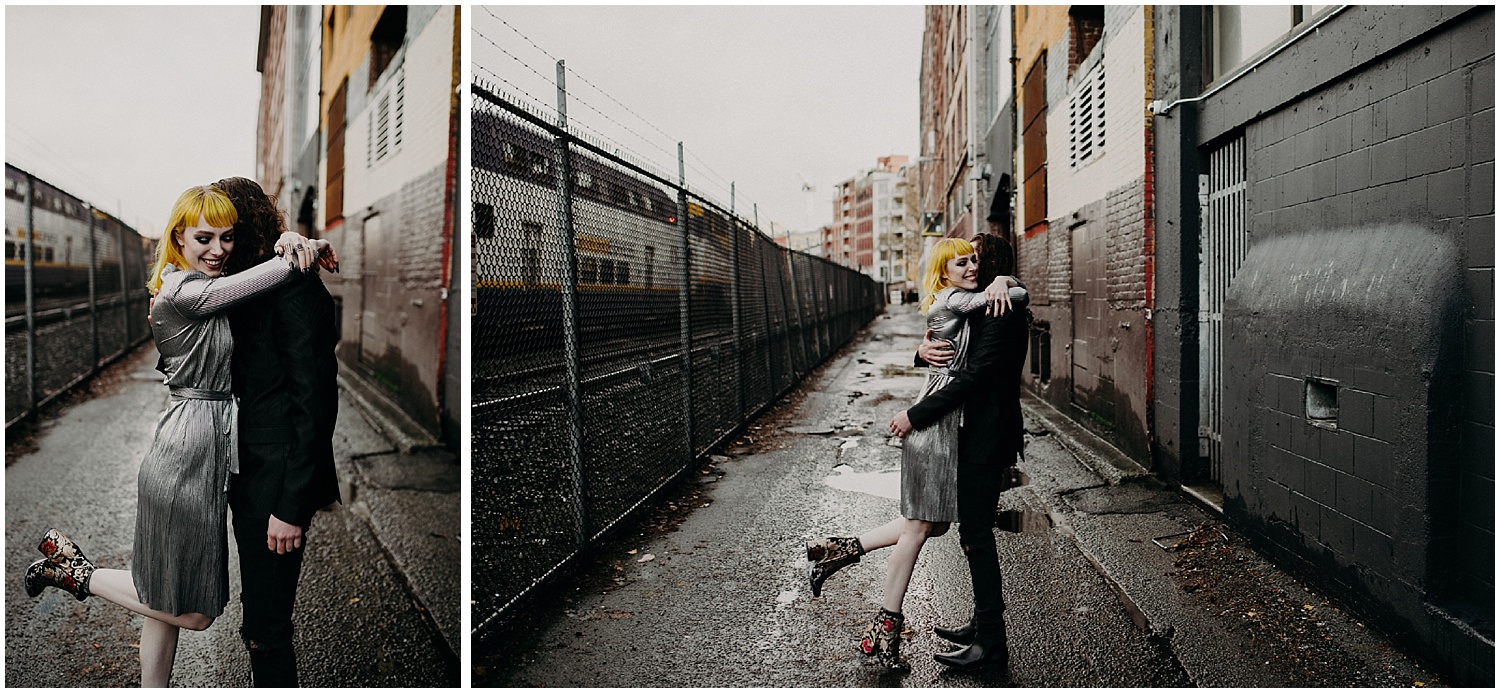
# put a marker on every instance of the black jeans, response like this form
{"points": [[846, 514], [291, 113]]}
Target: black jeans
{"points": [[979, 488], [268, 591]]}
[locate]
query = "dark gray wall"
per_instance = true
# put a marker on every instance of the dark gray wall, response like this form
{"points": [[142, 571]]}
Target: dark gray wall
{"points": [[1370, 158]]}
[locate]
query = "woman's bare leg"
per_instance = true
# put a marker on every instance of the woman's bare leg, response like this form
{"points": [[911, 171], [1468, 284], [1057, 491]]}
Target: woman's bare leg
{"points": [[882, 536], [903, 560], [158, 652], [118, 586]]}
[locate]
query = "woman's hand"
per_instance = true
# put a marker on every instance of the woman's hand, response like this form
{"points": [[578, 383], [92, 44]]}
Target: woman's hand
{"points": [[901, 425], [301, 252], [327, 259], [997, 295]]}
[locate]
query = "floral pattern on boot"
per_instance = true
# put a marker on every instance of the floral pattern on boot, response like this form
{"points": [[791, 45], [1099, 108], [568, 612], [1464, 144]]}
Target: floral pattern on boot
{"points": [[882, 639], [826, 557]]}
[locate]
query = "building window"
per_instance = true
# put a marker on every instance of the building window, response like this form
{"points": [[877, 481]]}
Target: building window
{"points": [[1086, 116], [1086, 28], [484, 220], [386, 40], [1237, 33], [1034, 142]]}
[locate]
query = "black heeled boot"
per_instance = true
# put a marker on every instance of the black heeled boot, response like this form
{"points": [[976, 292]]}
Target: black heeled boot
{"points": [[826, 557], [73, 578], [962, 635], [882, 639], [64, 567]]}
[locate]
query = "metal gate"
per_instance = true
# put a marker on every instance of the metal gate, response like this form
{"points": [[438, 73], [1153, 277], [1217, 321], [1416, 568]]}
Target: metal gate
{"points": [[1223, 241]]}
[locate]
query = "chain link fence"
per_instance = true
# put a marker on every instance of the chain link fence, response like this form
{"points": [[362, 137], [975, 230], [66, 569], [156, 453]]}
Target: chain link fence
{"points": [[80, 301], [622, 326]]}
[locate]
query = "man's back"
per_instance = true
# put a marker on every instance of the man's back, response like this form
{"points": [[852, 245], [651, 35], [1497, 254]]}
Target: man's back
{"points": [[286, 378]]}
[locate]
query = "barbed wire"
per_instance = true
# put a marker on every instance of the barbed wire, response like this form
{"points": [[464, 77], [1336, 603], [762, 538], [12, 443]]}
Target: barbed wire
{"points": [[710, 178]]}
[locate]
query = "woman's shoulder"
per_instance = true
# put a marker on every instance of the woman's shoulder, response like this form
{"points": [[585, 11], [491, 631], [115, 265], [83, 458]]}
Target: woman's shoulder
{"points": [[173, 277]]}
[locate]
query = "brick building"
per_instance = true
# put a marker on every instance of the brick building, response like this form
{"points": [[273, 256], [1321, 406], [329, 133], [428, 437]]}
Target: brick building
{"points": [[376, 178], [1083, 228], [1324, 306]]}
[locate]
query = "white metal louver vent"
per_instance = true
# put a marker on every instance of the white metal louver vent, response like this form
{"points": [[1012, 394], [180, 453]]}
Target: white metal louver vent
{"points": [[1086, 116], [386, 121]]}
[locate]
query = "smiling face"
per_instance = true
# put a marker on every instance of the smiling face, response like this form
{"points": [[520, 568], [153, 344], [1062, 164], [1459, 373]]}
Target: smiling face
{"points": [[206, 247], [963, 272]]}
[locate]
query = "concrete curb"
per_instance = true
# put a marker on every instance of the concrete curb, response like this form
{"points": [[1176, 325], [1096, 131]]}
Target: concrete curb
{"points": [[1092, 451], [386, 416]]}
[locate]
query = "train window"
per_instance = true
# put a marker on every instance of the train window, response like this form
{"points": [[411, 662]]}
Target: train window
{"points": [[484, 220], [606, 271], [588, 270], [622, 272], [530, 250], [12, 251], [650, 265], [46, 255]]}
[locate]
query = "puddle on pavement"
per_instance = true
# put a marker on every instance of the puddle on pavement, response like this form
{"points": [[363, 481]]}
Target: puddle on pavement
{"points": [[882, 484]]}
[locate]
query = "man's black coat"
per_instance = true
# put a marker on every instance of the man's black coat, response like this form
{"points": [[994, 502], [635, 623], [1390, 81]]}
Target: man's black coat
{"points": [[286, 378], [989, 388]]}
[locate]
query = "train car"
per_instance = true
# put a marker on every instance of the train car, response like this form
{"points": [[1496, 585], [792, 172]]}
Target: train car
{"points": [[627, 242], [60, 243]]}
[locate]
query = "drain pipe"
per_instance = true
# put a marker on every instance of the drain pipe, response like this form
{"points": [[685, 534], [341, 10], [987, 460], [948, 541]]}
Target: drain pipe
{"points": [[1161, 108]]}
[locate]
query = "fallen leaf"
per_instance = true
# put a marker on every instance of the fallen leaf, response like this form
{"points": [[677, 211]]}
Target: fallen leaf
{"points": [[354, 600], [647, 557], [631, 552]]}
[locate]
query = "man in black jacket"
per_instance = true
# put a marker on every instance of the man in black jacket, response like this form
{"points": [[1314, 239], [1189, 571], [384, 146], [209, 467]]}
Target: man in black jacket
{"points": [[285, 377], [988, 386]]}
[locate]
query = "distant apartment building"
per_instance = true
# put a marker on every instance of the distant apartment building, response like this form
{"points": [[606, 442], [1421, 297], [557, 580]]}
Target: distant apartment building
{"points": [[357, 137], [869, 229]]}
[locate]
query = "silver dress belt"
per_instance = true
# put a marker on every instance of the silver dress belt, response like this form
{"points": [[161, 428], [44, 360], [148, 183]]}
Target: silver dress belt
{"points": [[228, 444]]}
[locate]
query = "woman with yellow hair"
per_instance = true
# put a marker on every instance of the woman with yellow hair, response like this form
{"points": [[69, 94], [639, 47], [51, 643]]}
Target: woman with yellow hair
{"points": [[929, 456], [179, 575]]}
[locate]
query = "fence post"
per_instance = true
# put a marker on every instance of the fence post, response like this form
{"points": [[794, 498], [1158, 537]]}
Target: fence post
{"points": [[125, 289], [30, 295], [734, 292], [684, 303], [572, 355], [791, 275], [93, 295]]}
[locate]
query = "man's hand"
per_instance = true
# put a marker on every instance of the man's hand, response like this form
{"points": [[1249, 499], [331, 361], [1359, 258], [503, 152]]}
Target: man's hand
{"points": [[936, 352], [901, 425], [282, 537]]}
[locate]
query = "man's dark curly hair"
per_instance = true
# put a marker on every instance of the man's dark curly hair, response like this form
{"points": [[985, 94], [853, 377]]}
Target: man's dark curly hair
{"points": [[996, 258], [259, 226]]}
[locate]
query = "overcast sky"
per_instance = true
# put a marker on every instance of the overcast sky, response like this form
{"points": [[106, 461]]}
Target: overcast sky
{"points": [[126, 107], [762, 96]]}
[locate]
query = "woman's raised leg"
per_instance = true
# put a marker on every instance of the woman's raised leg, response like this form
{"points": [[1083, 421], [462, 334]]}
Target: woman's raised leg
{"points": [[118, 586], [913, 534]]}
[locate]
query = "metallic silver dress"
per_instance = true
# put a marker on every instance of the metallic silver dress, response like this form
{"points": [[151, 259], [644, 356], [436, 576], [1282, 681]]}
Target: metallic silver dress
{"points": [[929, 456], [180, 564]]}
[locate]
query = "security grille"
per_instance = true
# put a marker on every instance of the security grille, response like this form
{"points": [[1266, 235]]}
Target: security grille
{"points": [[623, 326], [1221, 196]]}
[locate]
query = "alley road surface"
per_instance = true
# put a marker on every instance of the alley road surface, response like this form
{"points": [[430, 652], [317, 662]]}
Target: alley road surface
{"points": [[723, 600], [357, 623]]}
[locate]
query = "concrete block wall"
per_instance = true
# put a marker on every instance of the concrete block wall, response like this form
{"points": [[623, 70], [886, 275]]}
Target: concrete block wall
{"points": [[1384, 117]]}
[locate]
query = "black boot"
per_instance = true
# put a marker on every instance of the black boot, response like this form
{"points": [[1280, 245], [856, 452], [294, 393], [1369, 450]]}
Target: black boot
{"points": [[962, 635], [982, 655], [882, 639], [826, 557], [72, 578]]}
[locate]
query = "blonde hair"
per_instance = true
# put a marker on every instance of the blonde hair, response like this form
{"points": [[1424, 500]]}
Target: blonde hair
{"points": [[935, 274], [205, 201]]}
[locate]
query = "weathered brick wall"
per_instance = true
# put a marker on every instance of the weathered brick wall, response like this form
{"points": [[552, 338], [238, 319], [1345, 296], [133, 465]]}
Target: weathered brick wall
{"points": [[1125, 242]]}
